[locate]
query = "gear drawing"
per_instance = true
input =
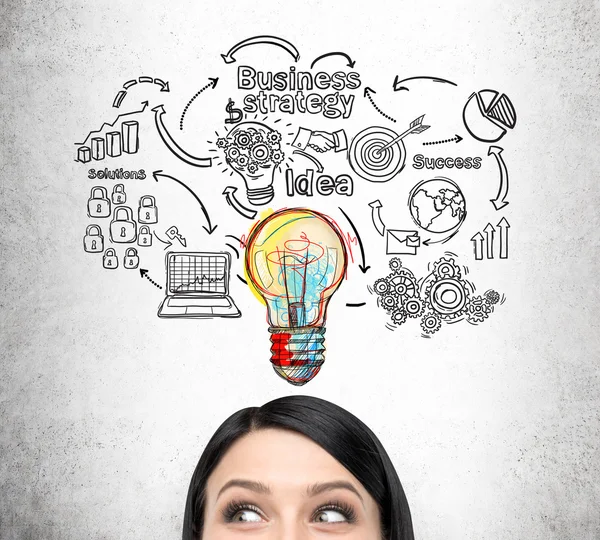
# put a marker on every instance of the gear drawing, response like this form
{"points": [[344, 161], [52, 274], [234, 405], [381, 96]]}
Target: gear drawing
{"points": [[448, 297], [414, 307], [430, 323], [479, 309], [446, 267]]}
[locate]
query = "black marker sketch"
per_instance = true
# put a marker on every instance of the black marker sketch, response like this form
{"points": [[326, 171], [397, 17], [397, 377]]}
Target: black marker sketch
{"points": [[98, 150], [402, 242], [98, 204], [110, 260], [488, 115], [173, 233], [377, 154], [198, 286], [170, 143], [147, 210], [210, 229], [213, 83], [358, 304], [232, 201], [397, 83], [271, 40], [144, 274], [478, 240], [444, 295], [164, 87], [237, 253], [93, 241], [123, 228], [242, 279], [500, 201], [131, 259], [253, 151], [317, 163], [503, 227], [478, 246], [376, 216], [438, 206], [489, 240], [363, 267], [367, 94], [350, 63], [235, 115], [118, 194], [144, 236], [321, 141], [457, 138], [131, 141]]}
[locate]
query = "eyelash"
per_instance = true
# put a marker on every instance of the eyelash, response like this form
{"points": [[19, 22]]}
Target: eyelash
{"points": [[343, 508]]}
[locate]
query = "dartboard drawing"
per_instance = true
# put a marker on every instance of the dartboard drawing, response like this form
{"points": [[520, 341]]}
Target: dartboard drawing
{"points": [[369, 161]]}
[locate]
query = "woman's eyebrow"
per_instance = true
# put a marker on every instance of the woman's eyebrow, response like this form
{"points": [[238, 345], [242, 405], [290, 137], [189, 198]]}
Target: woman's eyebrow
{"points": [[317, 489], [252, 485]]}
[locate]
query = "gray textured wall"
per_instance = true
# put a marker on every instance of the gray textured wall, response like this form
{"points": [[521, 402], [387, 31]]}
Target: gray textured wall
{"points": [[105, 409]]}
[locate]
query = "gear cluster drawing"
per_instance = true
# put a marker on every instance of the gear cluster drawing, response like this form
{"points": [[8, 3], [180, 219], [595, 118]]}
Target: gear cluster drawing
{"points": [[443, 296]]}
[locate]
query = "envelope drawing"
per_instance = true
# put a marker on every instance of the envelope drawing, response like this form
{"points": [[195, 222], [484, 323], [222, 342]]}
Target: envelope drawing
{"points": [[402, 242]]}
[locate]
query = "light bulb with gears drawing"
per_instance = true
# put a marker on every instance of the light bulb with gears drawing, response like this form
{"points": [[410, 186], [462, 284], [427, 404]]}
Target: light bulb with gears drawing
{"points": [[253, 150]]}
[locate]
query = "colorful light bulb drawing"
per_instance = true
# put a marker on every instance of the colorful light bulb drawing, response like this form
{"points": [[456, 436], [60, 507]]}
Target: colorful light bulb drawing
{"points": [[296, 260]]}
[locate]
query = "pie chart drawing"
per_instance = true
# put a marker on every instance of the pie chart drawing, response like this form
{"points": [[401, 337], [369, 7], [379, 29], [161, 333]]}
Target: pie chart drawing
{"points": [[369, 161], [488, 115]]}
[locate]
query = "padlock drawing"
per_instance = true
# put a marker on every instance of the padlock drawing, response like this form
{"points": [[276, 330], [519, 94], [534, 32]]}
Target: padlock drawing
{"points": [[118, 195], [144, 236], [123, 229], [147, 212], [98, 203], [131, 259], [109, 259], [93, 241]]}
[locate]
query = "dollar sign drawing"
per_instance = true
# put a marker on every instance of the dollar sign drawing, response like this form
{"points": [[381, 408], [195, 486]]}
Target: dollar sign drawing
{"points": [[235, 115]]}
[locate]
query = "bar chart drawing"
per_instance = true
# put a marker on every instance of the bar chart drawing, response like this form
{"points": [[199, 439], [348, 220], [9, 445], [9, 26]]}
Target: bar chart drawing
{"points": [[113, 144]]}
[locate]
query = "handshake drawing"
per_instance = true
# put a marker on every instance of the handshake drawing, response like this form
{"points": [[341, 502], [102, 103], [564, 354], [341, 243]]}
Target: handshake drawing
{"points": [[321, 141]]}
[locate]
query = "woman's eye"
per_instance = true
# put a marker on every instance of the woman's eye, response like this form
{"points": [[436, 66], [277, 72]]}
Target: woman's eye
{"points": [[330, 516], [246, 516]]}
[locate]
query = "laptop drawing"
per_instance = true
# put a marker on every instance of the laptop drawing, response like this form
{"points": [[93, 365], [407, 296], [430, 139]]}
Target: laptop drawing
{"points": [[198, 286]]}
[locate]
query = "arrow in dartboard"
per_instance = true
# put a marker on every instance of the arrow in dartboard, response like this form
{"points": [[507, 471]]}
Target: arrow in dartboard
{"points": [[489, 240], [363, 267], [500, 201], [210, 229], [170, 143], [229, 193], [367, 94], [144, 274], [503, 227], [456, 138], [257, 40], [350, 63], [213, 83], [478, 246], [376, 216]]}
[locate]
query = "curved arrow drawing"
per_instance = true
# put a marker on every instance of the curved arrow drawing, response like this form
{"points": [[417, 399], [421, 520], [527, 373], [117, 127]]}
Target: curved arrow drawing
{"points": [[312, 158], [376, 216], [500, 201], [272, 40], [168, 244], [478, 246], [144, 274], [238, 207], [397, 83], [210, 229], [213, 82], [368, 95], [172, 145], [503, 226], [164, 87], [349, 64], [363, 267]]}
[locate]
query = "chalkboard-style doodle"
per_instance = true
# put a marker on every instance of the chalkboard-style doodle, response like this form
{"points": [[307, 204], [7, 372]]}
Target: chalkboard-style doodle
{"points": [[500, 201], [131, 139], [235, 115], [438, 206], [123, 228], [110, 260], [144, 236], [488, 115], [253, 150], [118, 195], [295, 261], [443, 296], [98, 203], [233, 201], [212, 84], [98, 149], [147, 210], [164, 87], [173, 233], [144, 274], [479, 240], [93, 241], [402, 242], [258, 40], [376, 216], [378, 154], [398, 84], [367, 94], [320, 141], [198, 286], [131, 259]]}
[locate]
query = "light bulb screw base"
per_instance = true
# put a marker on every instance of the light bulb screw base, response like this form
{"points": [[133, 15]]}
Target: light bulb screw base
{"points": [[297, 353], [260, 196]]}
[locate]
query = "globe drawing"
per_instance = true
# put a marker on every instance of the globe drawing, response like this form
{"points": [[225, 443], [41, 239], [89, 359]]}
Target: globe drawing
{"points": [[437, 205]]}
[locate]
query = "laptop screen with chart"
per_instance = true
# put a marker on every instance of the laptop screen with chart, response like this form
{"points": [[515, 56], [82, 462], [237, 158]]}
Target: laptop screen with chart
{"points": [[198, 273]]}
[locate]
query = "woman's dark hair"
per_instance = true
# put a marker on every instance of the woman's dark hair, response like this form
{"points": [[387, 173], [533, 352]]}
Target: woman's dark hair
{"points": [[337, 431]]}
